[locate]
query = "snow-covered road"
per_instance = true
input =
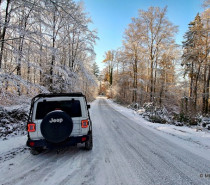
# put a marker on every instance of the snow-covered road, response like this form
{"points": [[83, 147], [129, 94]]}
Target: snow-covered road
{"points": [[124, 153]]}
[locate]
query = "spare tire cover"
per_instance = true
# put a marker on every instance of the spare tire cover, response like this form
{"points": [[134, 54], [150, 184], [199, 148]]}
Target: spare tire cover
{"points": [[56, 126]]}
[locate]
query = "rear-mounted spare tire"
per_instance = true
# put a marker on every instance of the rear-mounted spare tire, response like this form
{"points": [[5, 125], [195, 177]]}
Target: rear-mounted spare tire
{"points": [[56, 126]]}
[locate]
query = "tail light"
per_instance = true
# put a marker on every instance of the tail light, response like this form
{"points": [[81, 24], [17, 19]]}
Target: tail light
{"points": [[84, 139], [32, 143], [31, 127], [84, 123]]}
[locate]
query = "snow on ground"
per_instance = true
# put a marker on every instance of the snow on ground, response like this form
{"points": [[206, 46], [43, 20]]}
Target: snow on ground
{"points": [[13, 120], [127, 151], [196, 141], [24, 107], [12, 142]]}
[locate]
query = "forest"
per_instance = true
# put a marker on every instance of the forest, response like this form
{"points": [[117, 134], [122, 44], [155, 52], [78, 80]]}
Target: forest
{"points": [[48, 46], [151, 70]]}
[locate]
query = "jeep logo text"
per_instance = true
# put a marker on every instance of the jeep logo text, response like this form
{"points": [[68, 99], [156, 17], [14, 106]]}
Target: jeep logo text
{"points": [[59, 120]]}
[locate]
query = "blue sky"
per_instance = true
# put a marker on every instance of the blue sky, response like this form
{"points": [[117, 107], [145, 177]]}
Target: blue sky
{"points": [[111, 18]]}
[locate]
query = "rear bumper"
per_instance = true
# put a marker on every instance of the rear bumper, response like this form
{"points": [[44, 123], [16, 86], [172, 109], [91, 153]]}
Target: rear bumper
{"points": [[45, 144]]}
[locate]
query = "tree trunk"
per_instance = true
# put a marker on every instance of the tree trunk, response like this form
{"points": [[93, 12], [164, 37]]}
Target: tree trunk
{"points": [[191, 81], [41, 81], [151, 81], [111, 75], [53, 55], [154, 84], [2, 36], [196, 88], [161, 93], [204, 90], [29, 68], [207, 108], [135, 80], [20, 50]]}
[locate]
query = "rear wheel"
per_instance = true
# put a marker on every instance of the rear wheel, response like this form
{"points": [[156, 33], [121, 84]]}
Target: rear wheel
{"points": [[36, 151], [89, 143]]}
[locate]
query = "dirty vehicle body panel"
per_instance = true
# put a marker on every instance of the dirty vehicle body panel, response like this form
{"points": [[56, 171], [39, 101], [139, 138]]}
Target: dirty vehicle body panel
{"points": [[68, 114]]}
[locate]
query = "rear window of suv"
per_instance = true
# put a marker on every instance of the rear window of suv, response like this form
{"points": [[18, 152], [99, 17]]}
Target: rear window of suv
{"points": [[72, 108]]}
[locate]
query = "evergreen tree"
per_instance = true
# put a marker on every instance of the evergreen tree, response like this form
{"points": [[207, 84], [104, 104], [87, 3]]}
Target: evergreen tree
{"points": [[193, 57], [110, 60], [95, 69]]}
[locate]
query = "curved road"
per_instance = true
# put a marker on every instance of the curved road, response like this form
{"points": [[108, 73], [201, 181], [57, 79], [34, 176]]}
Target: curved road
{"points": [[124, 153]]}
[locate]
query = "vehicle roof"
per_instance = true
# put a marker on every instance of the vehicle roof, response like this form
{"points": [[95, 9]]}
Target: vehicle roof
{"points": [[78, 94]]}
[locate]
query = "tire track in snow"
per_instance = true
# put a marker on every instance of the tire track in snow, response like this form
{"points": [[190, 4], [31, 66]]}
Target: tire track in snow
{"points": [[124, 153], [37, 167], [12, 153], [160, 150]]}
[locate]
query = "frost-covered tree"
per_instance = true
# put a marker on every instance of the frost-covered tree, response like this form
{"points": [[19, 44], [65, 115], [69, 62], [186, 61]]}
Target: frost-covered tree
{"points": [[110, 61], [95, 69], [158, 31], [148, 57], [4, 18], [193, 57], [206, 3], [46, 45], [206, 64]]}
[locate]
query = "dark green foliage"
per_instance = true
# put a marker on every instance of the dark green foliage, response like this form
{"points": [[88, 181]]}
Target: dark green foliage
{"points": [[157, 119], [187, 120], [95, 69], [182, 118]]}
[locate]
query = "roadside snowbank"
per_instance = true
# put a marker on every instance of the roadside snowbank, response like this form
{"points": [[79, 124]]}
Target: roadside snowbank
{"points": [[13, 120]]}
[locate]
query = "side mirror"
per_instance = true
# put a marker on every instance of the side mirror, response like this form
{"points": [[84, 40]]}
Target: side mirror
{"points": [[88, 106]]}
